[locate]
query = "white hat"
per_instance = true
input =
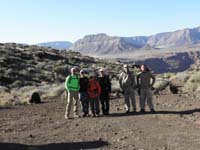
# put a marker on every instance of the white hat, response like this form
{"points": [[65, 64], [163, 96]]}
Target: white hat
{"points": [[73, 69], [102, 70], [83, 71], [125, 66]]}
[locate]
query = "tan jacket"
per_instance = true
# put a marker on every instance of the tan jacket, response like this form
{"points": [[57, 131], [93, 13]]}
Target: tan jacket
{"points": [[144, 80], [127, 80]]}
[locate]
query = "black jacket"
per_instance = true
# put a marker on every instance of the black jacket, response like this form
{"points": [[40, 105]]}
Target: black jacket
{"points": [[83, 84], [105, 84]]}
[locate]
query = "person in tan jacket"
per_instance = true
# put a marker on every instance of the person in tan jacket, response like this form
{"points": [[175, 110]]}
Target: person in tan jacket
{"points": [[127, 85], [145, 86]]}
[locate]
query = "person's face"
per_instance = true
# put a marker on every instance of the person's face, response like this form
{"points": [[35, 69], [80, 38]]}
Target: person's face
{"points": [[75, 72], [101, 73], [126, 69], [82, 74], [143, 68]]}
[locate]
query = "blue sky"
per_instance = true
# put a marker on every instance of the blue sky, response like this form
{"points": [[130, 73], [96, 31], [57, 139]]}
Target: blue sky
{"points": [[33, 21]]}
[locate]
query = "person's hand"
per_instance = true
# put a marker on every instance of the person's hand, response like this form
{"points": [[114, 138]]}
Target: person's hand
{"points": [[152, 88], [123, 92]]}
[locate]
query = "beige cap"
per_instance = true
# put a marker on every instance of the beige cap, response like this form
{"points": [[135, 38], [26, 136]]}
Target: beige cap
{"points": [[101, 70], [73, 69], [125, 66]]}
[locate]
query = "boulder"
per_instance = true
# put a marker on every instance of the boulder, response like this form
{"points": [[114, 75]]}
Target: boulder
{"points": [[35, 98]]}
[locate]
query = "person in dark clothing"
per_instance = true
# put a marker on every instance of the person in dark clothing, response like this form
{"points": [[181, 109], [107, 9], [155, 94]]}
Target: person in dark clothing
{"points": [[105, 85], [83, 94]]}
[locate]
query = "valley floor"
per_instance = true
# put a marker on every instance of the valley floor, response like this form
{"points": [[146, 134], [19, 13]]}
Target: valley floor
{"points": [[176, 125]]}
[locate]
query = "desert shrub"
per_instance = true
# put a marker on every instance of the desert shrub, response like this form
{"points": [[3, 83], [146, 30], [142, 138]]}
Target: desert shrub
{"points": [[17, 83], [183, 76], [115, 85], [55, 92], [59, 69], [161, 84], [193, 83], [168, 75]]}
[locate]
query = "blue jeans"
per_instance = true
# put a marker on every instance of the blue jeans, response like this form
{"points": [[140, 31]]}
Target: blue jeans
{"points": [[83, 96]]}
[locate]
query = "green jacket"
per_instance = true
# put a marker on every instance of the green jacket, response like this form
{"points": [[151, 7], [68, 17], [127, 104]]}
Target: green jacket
{"points": [[72, 83]]}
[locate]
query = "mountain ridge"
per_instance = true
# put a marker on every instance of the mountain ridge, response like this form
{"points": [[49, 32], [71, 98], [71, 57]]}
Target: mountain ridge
{"points": [[103, 44]]}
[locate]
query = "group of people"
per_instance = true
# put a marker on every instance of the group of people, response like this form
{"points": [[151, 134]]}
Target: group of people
{"points": [[89, 91], [92, 90]]}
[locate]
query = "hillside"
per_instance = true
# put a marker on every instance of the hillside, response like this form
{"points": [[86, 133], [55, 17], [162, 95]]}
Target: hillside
{"points": [[27, 69], [33, 65]]}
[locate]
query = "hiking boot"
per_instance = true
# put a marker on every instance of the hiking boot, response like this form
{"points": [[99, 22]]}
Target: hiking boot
{"points": [[152, 111], [85, 115], [67, 117], [77, 116], [107, 113], [142, 111], [134, 110], [97, 115]]}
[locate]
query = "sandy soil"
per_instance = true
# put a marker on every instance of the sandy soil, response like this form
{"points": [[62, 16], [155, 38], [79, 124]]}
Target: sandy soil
{"points": [[176, 125]]}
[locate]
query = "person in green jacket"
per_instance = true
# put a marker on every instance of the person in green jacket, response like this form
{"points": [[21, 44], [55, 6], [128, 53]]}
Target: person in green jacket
{"points": [[72, 86]]}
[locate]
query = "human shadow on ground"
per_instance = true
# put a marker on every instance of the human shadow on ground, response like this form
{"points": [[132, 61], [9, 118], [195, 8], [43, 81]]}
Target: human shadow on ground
{"points": [[4, 107], [183, 112], [55, 146]]}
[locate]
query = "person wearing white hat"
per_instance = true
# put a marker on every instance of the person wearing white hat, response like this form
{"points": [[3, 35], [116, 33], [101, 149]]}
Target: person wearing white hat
{"points": [[72, 86]]}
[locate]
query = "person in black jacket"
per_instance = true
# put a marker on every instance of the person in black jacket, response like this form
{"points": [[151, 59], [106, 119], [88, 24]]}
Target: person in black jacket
{"points": [[83, 94], [105, 85]]}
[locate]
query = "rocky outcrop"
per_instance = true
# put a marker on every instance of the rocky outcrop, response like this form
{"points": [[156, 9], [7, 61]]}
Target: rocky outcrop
{"points": [[177, 62]]}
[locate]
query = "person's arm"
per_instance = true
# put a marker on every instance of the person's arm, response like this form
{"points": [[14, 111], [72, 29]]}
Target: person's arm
{"points": [[120, 81], [66, 83], [109, 84], [99, 88], [133, 81], [88, 88], [138, 80], [153, 79], [78, 83]]}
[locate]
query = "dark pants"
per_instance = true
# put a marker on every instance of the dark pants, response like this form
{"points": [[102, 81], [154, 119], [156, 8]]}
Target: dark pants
{"points": [[105, 106], [83, 96], [94, 105]]}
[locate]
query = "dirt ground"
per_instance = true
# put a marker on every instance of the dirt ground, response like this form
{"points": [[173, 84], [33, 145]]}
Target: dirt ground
{"points": [[175, 125]]}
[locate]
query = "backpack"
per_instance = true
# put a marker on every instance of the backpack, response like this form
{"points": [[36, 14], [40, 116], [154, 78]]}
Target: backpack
{"points": [[72, 84], [70, 78]]}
